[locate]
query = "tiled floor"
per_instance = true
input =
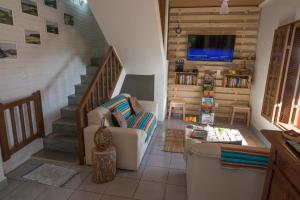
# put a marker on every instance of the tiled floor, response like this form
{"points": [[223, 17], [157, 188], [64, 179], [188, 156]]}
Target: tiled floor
{"points": [[160, 177]]}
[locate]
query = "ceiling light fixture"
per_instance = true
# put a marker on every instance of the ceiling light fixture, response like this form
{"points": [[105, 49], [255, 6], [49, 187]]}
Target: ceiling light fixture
{"points": [[82, 2], [224, 7]]}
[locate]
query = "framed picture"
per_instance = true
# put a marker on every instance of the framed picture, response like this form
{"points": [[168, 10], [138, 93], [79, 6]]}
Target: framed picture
{"points": [[8, 50], [29, 7], [32, 37], [69, 19], [51, 3], [52, 27], [6, 16]]}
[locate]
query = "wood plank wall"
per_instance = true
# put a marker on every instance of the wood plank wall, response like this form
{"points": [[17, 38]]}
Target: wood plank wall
{"points": [[242, 22]]}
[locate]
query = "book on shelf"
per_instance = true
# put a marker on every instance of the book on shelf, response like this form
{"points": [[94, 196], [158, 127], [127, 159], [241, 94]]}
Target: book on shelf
{"points": [[236, 82], [186, 79], [207, 101]]}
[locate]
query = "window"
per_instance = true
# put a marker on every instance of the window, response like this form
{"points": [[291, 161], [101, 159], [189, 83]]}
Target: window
{"points": [[282, 92]]}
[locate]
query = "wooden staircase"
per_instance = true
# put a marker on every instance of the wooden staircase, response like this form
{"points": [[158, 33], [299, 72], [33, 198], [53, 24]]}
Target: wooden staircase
{"points": [[95, 88]]}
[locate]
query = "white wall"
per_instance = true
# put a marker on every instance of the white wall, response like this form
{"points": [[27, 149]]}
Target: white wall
{"points": [[274, 14], [133, 28], [53, 67]]}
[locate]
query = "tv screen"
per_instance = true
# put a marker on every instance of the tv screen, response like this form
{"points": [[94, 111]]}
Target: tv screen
{"points": [[211, 47]]}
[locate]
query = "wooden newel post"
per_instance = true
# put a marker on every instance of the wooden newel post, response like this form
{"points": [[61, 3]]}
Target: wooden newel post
{"points": [[39, 113], [3, 136]]}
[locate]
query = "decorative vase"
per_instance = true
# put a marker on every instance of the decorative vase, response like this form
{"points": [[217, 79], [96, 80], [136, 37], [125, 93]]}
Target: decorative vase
{"points": [[103, 139]]}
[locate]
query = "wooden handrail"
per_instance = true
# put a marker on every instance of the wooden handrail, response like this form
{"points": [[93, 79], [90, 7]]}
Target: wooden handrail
{"points": [[106, 76], [21, 139]]}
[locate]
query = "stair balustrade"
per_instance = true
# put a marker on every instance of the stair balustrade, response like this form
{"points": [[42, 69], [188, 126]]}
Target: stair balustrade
{"points": [[21, 122], [99, 90]]}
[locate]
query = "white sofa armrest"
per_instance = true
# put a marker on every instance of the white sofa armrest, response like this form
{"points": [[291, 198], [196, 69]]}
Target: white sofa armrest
{"points": [[129, 143], [150, 106]]}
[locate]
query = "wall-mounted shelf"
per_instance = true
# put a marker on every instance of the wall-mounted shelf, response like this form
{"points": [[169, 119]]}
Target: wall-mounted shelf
{"points": [[237, 81], [186, 78]]}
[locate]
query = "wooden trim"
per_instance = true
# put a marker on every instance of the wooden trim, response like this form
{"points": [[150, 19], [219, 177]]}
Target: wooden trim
{"points": [[3, 135]]}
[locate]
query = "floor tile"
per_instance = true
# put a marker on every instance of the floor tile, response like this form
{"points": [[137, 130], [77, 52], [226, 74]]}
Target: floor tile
{"points": [[145, 159], [177, 177], [76, 180], [159, 150], [12, 185], [81, 168], [150, 191], [89, 186], [82, 195], [175, 193], [123, 187], [27, 191], [55, 193], [131, 174], [22, 170], [159, 161], [178, 163], [157, 174], [105, 197]]}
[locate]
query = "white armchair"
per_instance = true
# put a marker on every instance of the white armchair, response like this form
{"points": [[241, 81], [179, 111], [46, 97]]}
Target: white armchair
{"points": [[130, 143], [207, 179]]}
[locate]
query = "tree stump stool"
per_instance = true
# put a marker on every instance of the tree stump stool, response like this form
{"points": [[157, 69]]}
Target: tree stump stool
{"points": [[104, 165]]}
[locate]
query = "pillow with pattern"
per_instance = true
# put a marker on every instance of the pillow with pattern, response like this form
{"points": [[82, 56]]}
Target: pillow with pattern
{"points": [[118, 120], [135, 105]]}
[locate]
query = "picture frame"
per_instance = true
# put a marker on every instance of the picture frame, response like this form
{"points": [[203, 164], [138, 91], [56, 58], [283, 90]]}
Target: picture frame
{"points": [[6, 16], [29, 7], [32, 37], [52, 27], [8, 50], [51, 3], [69, 19]]}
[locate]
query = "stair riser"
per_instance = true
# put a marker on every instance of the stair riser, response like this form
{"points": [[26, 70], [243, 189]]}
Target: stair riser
{"points": [[91, 70], [80, 90], [95, 61], [86, 79], [66, 129], [74, 101], [67, 114], [60, 146]]}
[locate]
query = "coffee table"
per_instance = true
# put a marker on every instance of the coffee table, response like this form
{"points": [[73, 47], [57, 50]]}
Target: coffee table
{"points": [[214, 135]]}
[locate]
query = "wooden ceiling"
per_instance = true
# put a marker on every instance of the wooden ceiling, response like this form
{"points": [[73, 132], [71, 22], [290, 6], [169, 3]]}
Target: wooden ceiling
{"points": [[211, 3]]}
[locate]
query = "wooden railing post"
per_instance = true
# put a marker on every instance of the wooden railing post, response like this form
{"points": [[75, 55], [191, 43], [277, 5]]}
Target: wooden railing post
{"points": [[39, 113], [3, 136]]}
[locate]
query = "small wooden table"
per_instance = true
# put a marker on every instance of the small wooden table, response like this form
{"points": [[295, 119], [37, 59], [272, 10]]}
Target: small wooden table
{"points": [[104, 165]]}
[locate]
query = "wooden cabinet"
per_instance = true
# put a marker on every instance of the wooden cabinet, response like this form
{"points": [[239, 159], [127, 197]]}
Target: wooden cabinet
{"points": [[283, 176]]}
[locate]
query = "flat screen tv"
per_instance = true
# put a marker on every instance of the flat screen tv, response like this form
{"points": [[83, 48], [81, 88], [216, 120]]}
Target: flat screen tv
{"points": [[211, 47]]}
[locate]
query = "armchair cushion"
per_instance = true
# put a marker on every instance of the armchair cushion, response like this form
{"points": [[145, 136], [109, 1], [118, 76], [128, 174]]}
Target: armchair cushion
{"points": [[118, 120], [119, 104], [144, 121], [135, 105]]}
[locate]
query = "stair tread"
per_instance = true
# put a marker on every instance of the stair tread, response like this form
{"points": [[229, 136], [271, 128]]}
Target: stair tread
{"points": [[75, 96], [62, 136], [70, 108], [68, 122]]}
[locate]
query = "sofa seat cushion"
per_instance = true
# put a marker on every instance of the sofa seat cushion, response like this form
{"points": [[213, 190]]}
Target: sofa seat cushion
{"points": [[119, 104], [144, 121]]}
